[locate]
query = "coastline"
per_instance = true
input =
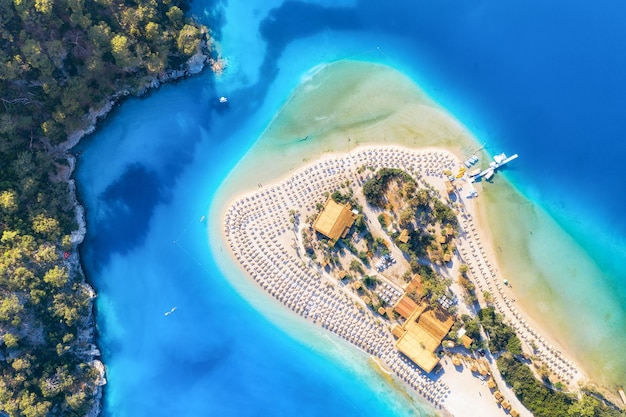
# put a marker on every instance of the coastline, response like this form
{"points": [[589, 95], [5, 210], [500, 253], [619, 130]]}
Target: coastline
{"points": [[418, 122], [268, 194], [195, 65]]}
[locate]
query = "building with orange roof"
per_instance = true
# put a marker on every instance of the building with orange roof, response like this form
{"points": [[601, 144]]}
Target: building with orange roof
{"points": [[404, 236], [422, 334], [405, 307]]}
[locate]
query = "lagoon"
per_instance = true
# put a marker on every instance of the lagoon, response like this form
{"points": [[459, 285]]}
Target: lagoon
{"points": [[520, 82]]}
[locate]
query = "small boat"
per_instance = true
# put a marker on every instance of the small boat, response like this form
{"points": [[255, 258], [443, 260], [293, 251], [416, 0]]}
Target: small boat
{"points": [[474, 172], [202, 219], [470, 161], [167, 313], [489, 174], [223, 99], [499, 158]]}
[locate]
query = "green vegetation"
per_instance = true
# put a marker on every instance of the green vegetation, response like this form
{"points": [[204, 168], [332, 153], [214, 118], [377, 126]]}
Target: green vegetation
{"points": [[545, 402], [501, 336], [375, 189], [370, 281], [59, 60], [418, 211], [472, 330], [434, 285]]}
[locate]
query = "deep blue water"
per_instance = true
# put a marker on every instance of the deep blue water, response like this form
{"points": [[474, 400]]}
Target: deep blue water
{"points": [[542, 79]]}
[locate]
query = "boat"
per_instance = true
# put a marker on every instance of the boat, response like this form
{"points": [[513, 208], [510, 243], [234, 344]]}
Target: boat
{"points": [[474, 172], [167, 313], [489, 174], [620, 390], [223, 99], [470, 161], [500, 158]]}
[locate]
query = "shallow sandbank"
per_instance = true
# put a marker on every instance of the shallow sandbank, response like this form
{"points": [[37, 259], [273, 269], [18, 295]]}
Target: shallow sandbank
{"points": [[342, 105]]}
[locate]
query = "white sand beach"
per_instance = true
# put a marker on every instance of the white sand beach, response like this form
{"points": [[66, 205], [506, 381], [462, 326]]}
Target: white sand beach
{"points": [[265, 242], [315, 142]]}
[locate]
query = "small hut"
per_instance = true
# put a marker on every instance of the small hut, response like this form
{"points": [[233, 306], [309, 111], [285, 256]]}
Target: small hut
{"points": [[466, 341], [404, 236], [498, 395], [449, 187]]}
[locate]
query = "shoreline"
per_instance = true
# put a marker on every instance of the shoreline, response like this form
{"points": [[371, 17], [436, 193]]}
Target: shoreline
{"points": [[239, 256], [195, 65], [414, 122]]}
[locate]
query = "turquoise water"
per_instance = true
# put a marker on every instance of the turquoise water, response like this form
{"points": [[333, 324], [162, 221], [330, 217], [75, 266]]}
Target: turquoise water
{"points": [[527, 77]]}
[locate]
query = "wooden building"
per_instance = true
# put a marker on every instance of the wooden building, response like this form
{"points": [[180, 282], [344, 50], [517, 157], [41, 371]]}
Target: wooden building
{"points": [[335, 220]]}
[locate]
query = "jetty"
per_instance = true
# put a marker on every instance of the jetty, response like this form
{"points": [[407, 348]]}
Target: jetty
{"points": [[498, 161]]}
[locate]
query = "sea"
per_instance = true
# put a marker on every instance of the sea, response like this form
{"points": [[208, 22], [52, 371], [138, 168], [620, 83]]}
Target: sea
{"points": [[541, 79]]}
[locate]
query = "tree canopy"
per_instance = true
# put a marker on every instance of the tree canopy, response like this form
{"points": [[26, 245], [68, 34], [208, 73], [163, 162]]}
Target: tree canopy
{"points": [[59, 60]]}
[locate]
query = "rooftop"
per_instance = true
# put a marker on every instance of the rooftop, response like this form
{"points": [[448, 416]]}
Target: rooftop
{"points": [[423, 332], [405, 307], [334, 220]]}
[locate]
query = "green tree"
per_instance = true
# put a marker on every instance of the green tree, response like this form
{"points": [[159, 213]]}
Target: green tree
{"points": [[188, 40], [8, 202], [44, 6], [10, 306], [56, 276], [46, 226], [175, 15], [585, 407], [120, 48], [10, 340], [406, 217], [356, 266]]}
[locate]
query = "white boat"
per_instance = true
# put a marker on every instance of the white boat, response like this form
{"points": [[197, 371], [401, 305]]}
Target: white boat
{"points": [[470, 161], [474, 172], [223, 99], [489, 174], [500, 158]]}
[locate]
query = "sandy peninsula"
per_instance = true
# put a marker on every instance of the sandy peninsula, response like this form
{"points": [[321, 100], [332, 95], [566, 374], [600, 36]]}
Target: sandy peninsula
{"points": [[335, 122], [265, 240]]}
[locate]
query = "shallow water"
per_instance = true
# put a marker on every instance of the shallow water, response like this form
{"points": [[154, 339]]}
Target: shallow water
{"points": [[553, 92]]}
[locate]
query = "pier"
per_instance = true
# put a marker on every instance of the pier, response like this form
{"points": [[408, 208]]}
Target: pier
{"points": [[498, 161]]}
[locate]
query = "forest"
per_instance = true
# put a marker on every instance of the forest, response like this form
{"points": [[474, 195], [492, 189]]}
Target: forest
{"points": [[543, 401], [61, 60]]}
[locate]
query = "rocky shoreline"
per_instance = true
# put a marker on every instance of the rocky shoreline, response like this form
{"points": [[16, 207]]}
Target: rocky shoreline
{"points": [[87, 339]]}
